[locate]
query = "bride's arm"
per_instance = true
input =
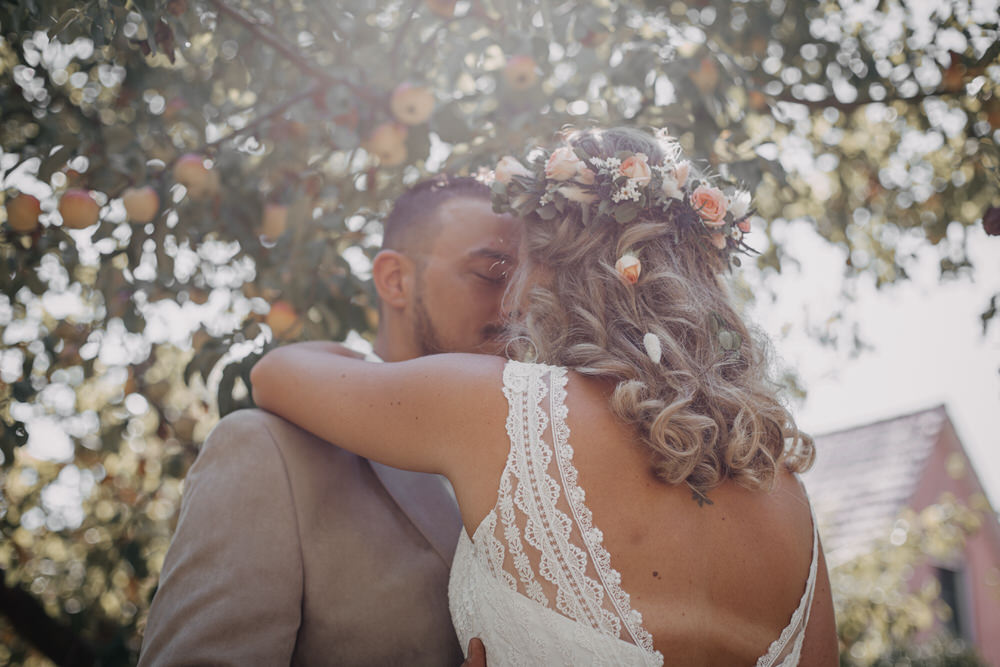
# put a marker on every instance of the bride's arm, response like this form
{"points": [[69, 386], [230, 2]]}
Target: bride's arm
{"points": [[408, 414]]}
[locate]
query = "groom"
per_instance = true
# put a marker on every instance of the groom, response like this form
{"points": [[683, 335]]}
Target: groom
{"points": [[290, 550]]}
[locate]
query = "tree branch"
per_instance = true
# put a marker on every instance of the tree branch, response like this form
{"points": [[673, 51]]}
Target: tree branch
{"points": [[394, 55], [252, 125], [266, 116], [290, 54]]}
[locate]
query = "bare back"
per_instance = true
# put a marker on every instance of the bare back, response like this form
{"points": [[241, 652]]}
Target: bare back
{"points": [[711, 584]]}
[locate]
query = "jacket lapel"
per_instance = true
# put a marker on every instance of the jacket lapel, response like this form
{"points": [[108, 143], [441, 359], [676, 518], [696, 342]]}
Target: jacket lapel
{"points": [[427, 503]]}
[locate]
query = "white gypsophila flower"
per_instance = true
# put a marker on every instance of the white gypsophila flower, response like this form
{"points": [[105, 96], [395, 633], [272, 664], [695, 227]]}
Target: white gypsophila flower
{"points": [[628, 191], [609, 166], [739, 203], [652, 344]]}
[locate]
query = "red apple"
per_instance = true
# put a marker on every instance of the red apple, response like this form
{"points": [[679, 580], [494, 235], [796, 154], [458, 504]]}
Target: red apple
{"points": [[22, 213], [174, 107], [594, 38], [191, 172], [78, 209], [141, 204], [706, 77], [177, 7], [443, 8], [412, 105], [274, 221], [348, 119], [387, 142], [284, 322], [520, 72]]}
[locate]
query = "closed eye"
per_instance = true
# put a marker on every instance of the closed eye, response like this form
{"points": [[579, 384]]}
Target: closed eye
{"points": [[494, 280], [496, 273]]}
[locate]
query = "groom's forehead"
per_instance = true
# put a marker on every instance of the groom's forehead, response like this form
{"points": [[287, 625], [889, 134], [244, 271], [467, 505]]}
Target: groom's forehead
{"points": [[468, 227]]}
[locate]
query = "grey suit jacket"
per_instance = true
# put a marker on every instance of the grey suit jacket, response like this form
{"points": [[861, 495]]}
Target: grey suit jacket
{"points": [[290, 550]]}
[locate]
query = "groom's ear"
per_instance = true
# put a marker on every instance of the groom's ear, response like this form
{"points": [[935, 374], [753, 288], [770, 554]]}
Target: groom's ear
{"points": [[393, 273]]}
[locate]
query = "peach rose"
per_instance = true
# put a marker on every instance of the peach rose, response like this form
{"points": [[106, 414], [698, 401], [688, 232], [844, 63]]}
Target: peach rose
{"points": [[637, 169], [718, 240], [563, 164], [629, 267], [508, 168], [710, 204], [585, 175], [577, 194], [744, 225]]}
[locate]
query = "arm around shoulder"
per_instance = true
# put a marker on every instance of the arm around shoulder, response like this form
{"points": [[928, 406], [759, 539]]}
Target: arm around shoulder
{"points": [[231, 586], [407, 414]]}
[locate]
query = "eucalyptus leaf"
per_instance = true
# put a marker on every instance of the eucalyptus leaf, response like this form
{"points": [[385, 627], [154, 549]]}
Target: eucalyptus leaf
{"points": [[547, 212], [625, 213]]}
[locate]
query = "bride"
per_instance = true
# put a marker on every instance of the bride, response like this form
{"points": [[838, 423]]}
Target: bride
{"points": [[627, 478]]}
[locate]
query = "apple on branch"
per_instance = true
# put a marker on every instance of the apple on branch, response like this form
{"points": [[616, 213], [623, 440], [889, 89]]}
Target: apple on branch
{"points": [[274, 221], [412, 105], [177, 7], [387, 142], [141, 204], [78, 209], [520, 72], [284, 322], [191, 172], [706, 77], [22, 213], [443, 8]]}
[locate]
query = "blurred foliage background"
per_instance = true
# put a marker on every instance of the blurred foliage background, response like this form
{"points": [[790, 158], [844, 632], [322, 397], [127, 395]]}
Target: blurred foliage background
{"points": [[185, 181]]}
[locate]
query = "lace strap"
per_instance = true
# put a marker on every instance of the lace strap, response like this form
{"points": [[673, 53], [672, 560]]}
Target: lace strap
{"points": [[592, 536]]}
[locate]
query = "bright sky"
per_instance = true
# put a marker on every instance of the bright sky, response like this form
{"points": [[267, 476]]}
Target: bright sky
{"points": [[928, 346]]}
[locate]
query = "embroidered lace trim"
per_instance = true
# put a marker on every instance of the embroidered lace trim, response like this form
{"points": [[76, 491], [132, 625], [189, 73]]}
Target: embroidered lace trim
{"points": [[593, 537], [547, 528]]}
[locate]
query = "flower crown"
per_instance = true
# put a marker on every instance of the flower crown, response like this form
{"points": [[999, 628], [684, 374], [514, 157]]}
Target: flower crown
{"points": [[623, 189]]}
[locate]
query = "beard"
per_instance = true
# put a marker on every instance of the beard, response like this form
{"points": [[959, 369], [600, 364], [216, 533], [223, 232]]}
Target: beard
{"points": [[428, 340]]}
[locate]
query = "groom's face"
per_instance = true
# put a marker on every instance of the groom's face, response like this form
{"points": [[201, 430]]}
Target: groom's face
{"points": [[461, 278]]}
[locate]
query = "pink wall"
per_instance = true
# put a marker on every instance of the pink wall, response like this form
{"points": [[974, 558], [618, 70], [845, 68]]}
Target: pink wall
{"points": [[982, 551]]}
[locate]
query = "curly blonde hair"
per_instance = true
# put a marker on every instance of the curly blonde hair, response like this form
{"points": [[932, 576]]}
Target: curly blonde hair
{"points": [[707, 414]]}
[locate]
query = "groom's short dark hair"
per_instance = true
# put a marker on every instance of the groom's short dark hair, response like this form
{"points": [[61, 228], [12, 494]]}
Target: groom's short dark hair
{"points": [[412, 221]]}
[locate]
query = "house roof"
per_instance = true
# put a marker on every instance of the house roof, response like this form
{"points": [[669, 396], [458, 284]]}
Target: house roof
{"points": [[865, 475]]}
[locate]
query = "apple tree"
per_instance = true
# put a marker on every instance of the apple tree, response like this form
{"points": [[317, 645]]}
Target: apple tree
{"points": [[186, 181]]}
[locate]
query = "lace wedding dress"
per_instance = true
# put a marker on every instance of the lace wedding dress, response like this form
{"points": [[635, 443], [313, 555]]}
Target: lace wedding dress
{"points": [[534, 581]]}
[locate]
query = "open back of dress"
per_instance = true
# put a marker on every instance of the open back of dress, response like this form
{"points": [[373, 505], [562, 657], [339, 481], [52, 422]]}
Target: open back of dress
{"points": [[534, 581]]}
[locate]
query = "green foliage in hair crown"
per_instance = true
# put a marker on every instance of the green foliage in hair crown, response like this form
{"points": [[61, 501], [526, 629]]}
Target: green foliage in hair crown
{"points": [[623, 189]]}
